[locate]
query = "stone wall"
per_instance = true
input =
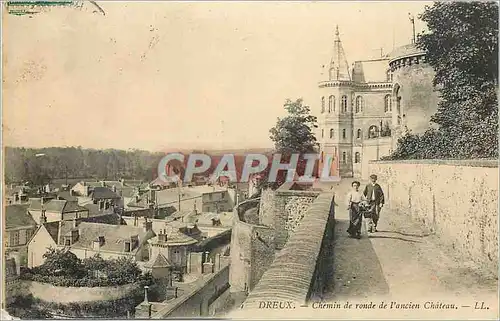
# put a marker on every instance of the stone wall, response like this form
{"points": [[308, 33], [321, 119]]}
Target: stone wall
{"points": [[418, 97], [456, 199], [252, 251], [304, 265], [283, 209], [197, 302], [58, 294]]}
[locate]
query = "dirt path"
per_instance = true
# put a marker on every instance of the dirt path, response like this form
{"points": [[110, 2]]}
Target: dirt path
{"points": [[404, 263]]}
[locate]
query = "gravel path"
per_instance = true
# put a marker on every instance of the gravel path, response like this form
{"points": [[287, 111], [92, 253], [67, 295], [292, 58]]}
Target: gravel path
{"points": [[405, 263]]}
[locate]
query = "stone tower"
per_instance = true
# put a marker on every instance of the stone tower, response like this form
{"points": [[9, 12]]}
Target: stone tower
{"points": [[335, 121]]}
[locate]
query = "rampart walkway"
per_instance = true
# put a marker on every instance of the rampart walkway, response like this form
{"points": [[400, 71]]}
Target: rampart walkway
{"points": [[403, 262]]}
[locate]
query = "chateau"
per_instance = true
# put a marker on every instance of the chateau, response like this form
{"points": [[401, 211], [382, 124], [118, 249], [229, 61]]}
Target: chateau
{"points": [[366, 107]]}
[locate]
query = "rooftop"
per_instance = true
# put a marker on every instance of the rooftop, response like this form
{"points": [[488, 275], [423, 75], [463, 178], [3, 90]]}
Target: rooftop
{"points": [[58, 206], [114, 236], [404, 51], [17, 216]]}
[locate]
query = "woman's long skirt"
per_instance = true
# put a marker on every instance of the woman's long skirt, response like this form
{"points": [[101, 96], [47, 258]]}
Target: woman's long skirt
{"points": [[355, 219]]}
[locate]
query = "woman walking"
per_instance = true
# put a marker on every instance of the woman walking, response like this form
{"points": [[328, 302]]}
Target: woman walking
{"points": [[354, 198]]}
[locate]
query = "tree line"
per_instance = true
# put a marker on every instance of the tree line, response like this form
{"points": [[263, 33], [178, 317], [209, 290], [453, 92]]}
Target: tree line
{"points": [[43, 165]]}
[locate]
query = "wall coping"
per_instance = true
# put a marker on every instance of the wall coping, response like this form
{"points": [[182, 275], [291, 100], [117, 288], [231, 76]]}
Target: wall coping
{"points": [[490, 163], [200, 284], [291, 274], [237, 219]]}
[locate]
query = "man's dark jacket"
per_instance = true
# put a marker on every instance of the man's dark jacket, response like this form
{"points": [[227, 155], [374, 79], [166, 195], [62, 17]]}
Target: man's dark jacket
{"points": [[379, 194]]}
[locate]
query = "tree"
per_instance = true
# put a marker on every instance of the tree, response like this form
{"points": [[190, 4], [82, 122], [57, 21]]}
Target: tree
{"points": [[61, 262], [292, 134], [462, 48]]}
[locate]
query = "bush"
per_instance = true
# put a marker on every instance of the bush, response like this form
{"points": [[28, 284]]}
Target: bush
{"points": [[91, 272]]}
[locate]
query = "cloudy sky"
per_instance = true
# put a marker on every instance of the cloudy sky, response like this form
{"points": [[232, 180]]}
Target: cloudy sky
{"points": [[155, 75]]}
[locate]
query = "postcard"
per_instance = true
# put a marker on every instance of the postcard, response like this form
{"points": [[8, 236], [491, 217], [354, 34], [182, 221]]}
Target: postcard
{"points": [[250, 160]]}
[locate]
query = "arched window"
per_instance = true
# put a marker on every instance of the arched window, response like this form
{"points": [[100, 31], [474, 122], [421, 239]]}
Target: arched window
{"points": [[343, 133], [331, 133], [344, 157], [322, 133], [373, 132], [388, 104], [359, 104], [344, 104], [322, 104], [357, 157], [359, 134], [331, 104]]}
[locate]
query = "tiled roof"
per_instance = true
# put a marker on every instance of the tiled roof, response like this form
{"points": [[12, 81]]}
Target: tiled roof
{"points": [[177, 232], [168, 196], [17, 216], [127, 191], [57, 228], [58, 206], [406, 50], [114, 236], [103, 193], [290, 275], [66, 195], [159, 261]]}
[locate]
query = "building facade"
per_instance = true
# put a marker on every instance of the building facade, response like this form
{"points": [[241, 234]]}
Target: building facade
{"points": [[366, 107]]}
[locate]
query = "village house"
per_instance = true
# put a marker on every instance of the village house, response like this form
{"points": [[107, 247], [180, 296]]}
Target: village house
{"points": [[87, 236], [44, 210], [19, 227]]}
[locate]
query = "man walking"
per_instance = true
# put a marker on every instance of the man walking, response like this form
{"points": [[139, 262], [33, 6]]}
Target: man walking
{"points": [[375, 196]]}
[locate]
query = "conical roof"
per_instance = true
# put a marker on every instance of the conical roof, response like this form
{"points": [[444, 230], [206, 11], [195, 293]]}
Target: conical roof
{"points": [[339, 68]]}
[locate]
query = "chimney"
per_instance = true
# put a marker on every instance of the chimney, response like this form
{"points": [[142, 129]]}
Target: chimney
{"points": [[162, 236], [74, 235], [134, 242], [74, 223], [136, 220], [43, 218], [114, 188], [84, 183], [103, 184], [148, 226], [137, 198], [127, 246], [122, 182]]}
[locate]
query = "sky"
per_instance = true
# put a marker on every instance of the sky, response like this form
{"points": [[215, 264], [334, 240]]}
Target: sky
{"points": [[161, 75]]}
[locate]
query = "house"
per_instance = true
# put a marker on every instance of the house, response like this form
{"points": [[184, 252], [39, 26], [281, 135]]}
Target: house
{"points": [[175, 241], [110, 241], [48, 210], [19, 227], [16, 195], [56, 234]]}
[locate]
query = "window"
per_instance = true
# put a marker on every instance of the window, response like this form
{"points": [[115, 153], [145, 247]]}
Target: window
{"points": [[388, 76], [343, 133], [358, 135], [331, 133], [373, 132], [359, 104], [344, 104], [210, 196], [322, 104], [14, 238], [322, 133], [331, 104], [343, 157], [388, 104], [177, 256], [357, 158]]}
